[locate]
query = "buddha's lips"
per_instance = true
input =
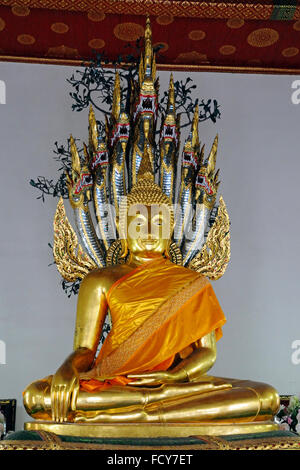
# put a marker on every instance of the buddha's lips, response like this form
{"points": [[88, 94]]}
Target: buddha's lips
{"points": [[149, 242]]}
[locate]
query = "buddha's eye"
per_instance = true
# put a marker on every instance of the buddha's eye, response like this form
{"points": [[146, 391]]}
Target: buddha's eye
{"points": [[139, 222], [157, 222]]}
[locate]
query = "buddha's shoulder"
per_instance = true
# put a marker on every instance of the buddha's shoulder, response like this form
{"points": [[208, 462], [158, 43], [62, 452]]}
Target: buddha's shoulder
{"points": [[106, 276], [187, 269]]}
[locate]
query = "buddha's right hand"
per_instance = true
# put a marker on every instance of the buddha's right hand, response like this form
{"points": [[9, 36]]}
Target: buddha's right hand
{"points": [[64, 391]]}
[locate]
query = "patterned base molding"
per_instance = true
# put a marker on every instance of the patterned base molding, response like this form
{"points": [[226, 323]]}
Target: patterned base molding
{"points": [[43, 440]]}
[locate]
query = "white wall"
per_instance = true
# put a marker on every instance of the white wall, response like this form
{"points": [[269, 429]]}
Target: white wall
{"points": [[259, 160]]}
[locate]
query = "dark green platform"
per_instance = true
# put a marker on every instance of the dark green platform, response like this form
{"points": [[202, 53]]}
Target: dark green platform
{"points": [[42, 440]]}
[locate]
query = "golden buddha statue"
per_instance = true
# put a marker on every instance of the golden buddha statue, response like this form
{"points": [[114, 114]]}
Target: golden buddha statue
{"points": [[152, 279]]}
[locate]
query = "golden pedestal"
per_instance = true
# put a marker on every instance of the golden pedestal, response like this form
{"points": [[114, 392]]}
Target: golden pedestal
{"points": [[148, 430]]}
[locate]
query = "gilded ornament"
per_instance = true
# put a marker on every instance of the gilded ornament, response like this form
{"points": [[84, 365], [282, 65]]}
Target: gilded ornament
{"points": [[128, 31], [71, 261], [19, 10], [26, 39], [96, 43], [227, 49], [96, 16], [59, 28], [214, 257], [165, 19], [263, 37], [197, 35], [290, 52], [235, 23]]}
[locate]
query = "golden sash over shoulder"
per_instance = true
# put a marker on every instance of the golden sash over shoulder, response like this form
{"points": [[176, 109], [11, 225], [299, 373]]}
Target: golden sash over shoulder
{"points": [[157, 310]]}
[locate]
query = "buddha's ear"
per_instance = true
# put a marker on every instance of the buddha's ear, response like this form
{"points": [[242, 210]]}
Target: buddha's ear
{"points": [[167, 251], [120, 235], [172, 232], [120, 228], [124, 245], [122, 239]]}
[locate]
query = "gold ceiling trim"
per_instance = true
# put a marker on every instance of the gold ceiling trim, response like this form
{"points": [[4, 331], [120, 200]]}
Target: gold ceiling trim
{"points": [[167, 67], [178, 8]]}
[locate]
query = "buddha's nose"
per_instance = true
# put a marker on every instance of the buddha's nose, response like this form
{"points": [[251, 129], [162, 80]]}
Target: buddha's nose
{"points": [[153, 233]]}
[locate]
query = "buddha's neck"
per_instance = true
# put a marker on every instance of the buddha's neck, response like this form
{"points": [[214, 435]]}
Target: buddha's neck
{"points": [[141, 258]]}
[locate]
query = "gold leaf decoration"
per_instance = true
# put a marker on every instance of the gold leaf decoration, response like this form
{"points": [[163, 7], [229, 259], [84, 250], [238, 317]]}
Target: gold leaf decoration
{"points": [[214, 257], [71, 261]]}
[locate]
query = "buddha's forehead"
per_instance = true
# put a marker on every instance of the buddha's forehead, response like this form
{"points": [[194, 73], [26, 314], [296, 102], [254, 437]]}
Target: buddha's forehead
{"points": [[148, 210]]}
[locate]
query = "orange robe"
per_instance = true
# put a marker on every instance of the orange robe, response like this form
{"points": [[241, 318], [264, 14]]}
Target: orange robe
{"points": [[158, 310]]}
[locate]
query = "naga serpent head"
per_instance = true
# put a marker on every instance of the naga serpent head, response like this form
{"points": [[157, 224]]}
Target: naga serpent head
{"points": [[80, 181], [207, 179]]}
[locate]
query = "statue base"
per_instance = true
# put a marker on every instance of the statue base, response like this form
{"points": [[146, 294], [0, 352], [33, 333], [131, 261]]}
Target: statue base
{"points": [[46, 435], [149, 430]]}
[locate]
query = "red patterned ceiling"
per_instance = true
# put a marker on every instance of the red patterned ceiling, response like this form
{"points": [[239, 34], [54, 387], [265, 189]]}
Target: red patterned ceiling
{"points": [[261, 36]]}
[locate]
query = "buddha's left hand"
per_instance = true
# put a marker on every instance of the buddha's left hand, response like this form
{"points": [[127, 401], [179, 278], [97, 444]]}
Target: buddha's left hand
{"points": [[157, 378]]}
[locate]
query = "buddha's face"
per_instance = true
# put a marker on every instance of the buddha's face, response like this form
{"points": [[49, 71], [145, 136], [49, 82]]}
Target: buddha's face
{"points": [[148, 229]]}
